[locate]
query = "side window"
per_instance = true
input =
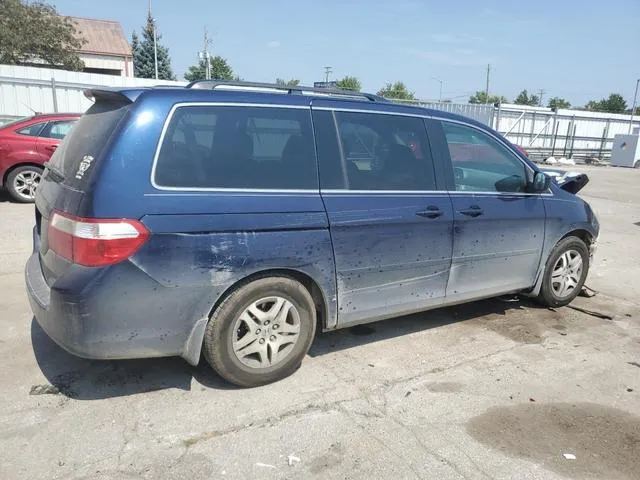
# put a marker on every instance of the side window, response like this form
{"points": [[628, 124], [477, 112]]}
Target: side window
{"points": [[385, 152], [57, 130], [238, 147], [32, 130], [480, 163]]}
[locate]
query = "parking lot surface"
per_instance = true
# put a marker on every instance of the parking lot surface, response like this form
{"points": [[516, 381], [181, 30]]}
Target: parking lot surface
{"points": [[496, 389]]}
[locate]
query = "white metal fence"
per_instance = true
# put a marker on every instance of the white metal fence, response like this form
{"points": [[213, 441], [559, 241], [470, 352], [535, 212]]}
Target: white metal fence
{"points": [[24, 90]]}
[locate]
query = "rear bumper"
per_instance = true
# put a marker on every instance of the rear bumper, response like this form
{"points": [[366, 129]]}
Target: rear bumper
{"points": [[103, 323]]}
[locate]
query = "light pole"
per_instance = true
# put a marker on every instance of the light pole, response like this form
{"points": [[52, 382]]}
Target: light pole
{"points": [[633, 109], [438, 80]]}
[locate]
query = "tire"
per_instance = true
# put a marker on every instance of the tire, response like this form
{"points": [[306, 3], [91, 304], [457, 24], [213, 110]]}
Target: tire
{"points": [[272, 335], [19, 190], [551, 291]]}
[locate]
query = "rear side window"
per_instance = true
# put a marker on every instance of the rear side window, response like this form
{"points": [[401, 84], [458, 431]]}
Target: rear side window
{"points": [[78, 152], [32, 130], [237, 147], [385, 152]]}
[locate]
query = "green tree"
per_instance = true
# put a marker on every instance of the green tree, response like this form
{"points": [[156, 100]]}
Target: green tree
{"points": [[144, 55], [524, 98], [481, 97], [349, 83], [33, 32], [557, 103], [397, 90], [294, 82], [220, 70], [614, 104]]}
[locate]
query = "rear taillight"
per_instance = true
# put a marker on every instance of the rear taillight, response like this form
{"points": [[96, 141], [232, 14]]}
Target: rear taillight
{"points": [[95, 242]]}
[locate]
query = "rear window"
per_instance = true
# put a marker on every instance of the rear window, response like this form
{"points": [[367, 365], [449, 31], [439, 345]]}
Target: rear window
{"points": [[237, 147], [81, 148]]}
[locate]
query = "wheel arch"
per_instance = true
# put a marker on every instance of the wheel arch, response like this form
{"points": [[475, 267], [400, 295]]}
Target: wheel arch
{"points": [[194, 344], [587, 237]]}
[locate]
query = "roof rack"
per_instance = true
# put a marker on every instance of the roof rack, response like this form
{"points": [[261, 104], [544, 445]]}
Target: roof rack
{"points": [[291, 90]]}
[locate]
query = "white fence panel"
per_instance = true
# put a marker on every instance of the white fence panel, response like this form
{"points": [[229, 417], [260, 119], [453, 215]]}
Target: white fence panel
{"points": [[24, 90]]}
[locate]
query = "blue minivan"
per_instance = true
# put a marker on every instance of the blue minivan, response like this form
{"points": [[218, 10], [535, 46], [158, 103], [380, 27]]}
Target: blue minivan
{"points": [[233, 219]]}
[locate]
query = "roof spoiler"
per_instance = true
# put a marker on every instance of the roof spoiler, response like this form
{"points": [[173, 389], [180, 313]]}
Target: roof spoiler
{"points": [[125, 95]]}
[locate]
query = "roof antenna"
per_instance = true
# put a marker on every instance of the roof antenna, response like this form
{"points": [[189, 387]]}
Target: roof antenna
{"points": [[32, 110]]}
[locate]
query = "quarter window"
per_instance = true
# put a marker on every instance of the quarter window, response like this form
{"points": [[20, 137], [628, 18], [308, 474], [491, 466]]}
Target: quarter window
{"points": [[238, 147], [480, 163], [32, 130], [385, 152]]}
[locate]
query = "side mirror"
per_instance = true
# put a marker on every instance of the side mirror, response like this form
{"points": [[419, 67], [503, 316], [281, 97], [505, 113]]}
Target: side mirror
{"points": [[541, 183]]}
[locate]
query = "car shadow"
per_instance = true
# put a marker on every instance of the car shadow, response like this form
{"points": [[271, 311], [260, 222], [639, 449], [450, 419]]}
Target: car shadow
{"points": [[396, 327], [83, 379]]}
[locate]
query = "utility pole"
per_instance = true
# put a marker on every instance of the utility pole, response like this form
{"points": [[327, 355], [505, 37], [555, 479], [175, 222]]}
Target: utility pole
{"points": [[486, 92], [438, 80], [327, 72], [541, 92], [207, 57], [155, 41], [633, 109]]}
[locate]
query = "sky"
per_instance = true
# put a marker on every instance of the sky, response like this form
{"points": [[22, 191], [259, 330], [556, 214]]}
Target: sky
{"points": [[578, 50]]}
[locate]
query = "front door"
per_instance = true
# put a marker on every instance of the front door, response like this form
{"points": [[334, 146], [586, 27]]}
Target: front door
{"points": [[498, 226], [391, 227]]}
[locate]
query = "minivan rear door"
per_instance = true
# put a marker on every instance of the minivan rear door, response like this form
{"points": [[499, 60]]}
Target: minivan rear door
{"points": [[71, 168], [390, 224]]}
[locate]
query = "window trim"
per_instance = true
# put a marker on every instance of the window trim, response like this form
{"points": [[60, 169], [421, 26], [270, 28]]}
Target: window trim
{"points": [[165, 127]]}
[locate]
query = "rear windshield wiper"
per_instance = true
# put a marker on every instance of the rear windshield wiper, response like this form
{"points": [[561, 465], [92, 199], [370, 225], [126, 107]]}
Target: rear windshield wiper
{"points": [[57, 175]]}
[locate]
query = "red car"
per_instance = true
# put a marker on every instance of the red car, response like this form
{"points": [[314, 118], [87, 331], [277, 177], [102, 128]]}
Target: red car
{"points": [[25, 145]]}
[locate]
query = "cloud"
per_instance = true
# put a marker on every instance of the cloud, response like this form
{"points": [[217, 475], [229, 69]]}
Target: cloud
{"points": [[273, 44], [455, 38]]}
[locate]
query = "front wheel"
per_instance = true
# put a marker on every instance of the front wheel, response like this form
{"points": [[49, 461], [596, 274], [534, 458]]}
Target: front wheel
{"points": [[261, 332], [565, 272], [22, 183]]}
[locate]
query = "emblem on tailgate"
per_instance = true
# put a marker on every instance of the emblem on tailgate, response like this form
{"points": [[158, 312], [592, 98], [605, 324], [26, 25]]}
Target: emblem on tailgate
{"points": [[85, 163]]}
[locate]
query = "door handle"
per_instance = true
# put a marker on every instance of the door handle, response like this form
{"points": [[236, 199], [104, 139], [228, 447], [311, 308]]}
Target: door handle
{"points": [[51, 147], [472, 211], [430, 212]]}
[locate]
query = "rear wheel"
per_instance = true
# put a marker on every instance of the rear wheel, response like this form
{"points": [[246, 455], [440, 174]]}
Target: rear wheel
{"points": [[565, 272], [22, 183], [261, 332]]}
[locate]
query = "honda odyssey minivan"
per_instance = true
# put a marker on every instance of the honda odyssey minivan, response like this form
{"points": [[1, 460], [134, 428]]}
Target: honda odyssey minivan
{"points": [[235, 219]]}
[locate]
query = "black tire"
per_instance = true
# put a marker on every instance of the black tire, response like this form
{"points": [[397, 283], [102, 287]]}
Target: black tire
{"points": [[218, 338], [547, 295], [15, 194]]}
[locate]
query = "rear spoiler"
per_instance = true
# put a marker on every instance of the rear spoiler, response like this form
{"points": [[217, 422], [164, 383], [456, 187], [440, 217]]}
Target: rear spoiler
{"points": [[125, 95]]}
